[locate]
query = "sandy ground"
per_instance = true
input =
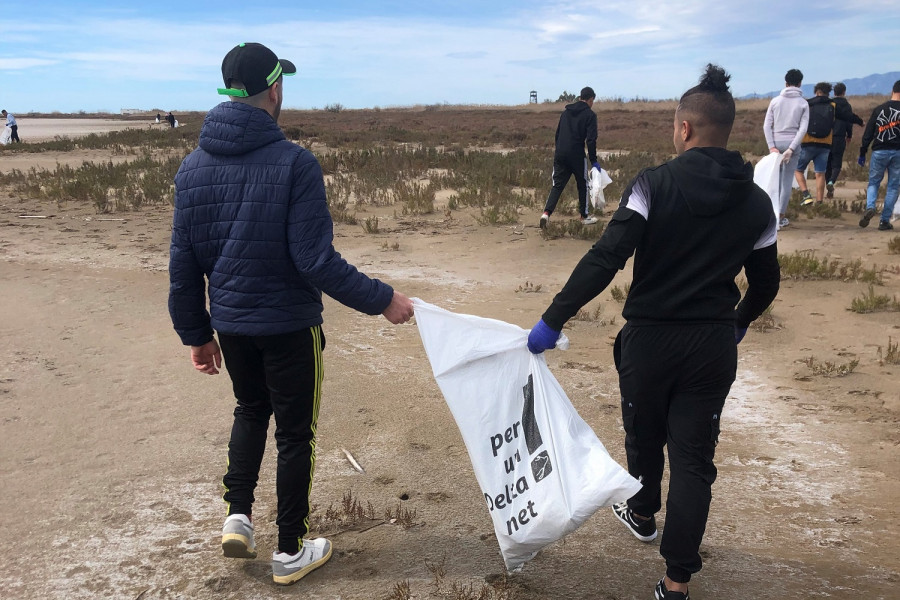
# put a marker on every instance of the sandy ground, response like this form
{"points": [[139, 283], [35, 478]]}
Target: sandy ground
{"points": [[44, 129], [112, 447]]}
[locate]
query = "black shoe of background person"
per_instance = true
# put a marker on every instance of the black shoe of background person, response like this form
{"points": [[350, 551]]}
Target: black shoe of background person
{"points": [[867, 216], [885, 226]]}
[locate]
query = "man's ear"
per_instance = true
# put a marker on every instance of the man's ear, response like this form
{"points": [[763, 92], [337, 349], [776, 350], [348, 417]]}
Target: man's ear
{"points": [[273, 92], [687, 131]]}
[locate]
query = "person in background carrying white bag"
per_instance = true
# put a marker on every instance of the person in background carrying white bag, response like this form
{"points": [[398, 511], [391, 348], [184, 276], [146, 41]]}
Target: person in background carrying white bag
{"points": [[541, 468], [695, 222], [597, 180]]}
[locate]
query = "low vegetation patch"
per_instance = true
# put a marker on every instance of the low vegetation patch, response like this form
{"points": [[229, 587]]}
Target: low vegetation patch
{"points": [[803, 264], [871, 302], [890, 355], [830, 369]]}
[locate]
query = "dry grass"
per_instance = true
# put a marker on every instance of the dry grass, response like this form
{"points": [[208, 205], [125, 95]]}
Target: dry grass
{"points": [[830, 369], [890, 355]]}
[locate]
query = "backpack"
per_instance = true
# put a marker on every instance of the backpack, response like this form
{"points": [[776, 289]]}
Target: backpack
{"points": [[821, 119]]}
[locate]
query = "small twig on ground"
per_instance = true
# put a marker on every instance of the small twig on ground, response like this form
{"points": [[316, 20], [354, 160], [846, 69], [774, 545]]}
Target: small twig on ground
{"points": [[352, 460]]}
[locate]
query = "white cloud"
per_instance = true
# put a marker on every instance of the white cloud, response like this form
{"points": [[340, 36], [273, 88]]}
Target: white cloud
{"points": [[17, 64]]}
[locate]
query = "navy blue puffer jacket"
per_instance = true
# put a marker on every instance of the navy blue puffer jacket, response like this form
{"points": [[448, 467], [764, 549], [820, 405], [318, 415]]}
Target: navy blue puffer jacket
{"points": [[251, 216]]}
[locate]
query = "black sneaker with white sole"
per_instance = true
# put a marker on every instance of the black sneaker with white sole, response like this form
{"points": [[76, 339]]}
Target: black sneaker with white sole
{"points": [[885, 226], [661, 593], [643, 529]]}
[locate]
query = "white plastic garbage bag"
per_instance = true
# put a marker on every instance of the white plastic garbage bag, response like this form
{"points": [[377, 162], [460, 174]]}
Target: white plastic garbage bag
{"points": [[6, 135], [541, 468], [767, 175], [597, 180]]}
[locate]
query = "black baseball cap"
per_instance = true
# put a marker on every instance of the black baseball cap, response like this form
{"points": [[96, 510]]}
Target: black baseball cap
{"points": [[255, 66]]}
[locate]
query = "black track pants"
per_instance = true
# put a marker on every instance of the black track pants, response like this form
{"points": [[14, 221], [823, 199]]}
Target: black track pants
{"points": [[835, 159], [674, 380], [280, 374], [563, 169]]}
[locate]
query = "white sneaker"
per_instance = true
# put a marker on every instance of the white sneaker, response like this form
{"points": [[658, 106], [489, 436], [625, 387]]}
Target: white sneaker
{"points": [[237, 537], [545, 218], [589, 220], [289, 568], [783, 223]]}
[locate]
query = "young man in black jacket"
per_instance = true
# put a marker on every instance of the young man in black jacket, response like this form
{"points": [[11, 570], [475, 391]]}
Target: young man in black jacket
{"points": [[840, 135], [577, 128], [883, 133], [692, 223]]}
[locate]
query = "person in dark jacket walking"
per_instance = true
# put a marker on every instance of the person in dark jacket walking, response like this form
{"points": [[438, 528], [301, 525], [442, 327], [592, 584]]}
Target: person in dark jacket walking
{"points": [[251, 223], [816, 144], [577, 128], [692, 224], [883, 133], [840, 135]]}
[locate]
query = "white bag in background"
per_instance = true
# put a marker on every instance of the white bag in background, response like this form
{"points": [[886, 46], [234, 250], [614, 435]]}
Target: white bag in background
{"points": [[541, 468], [597, 180], [6, 135], [767, 175]]}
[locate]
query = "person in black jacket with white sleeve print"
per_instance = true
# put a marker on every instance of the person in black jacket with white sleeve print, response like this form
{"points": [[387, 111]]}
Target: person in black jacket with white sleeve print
{"points": [[252, 226], [692, 224]]}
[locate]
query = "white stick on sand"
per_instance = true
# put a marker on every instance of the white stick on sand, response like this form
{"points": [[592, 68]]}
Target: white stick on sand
{"points": [[352, 461]]}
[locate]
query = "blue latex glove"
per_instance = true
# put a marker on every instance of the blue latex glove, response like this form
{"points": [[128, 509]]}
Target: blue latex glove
{"points": [[861, 161], [597, 166], [541, 337], [739, 334]]}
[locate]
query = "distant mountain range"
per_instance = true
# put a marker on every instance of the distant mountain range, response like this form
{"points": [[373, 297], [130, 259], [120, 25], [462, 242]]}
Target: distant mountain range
{"points": [[878, 83]]}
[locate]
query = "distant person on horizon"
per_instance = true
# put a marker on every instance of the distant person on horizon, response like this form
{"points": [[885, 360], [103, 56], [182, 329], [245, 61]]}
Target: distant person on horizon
{"points": [[841, 134], [252, 230], [13, 126], [784, 128], [577, 127], [883, 133], [158, 118], [170, 118], [816, 144], [692, 224]]}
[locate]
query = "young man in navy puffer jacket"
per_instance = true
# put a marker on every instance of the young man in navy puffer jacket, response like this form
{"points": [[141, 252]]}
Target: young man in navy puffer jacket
{"points": [[251, 221]]}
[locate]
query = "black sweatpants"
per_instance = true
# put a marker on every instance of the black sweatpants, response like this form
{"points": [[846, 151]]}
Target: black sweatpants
{"points": [[14, 134], [563, 169], [835, 159], [280, 374], [674, 380]]}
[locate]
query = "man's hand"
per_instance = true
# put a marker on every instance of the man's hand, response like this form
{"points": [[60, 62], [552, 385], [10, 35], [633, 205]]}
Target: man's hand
{"points": [[739, 334], [541, 337], [207, 358], [786, 157], [597, 166], [861, 161], [400, 310], [773, 150]]}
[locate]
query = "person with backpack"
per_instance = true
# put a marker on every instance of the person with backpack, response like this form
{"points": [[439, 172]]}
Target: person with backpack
{"points": [[840, 135], [816, 144], [784, 127]]}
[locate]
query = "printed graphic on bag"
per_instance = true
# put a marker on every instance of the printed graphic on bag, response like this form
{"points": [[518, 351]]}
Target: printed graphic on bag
{"points": [[541, 465]]}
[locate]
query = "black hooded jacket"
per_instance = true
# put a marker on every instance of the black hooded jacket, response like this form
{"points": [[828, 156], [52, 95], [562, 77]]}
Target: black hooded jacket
{"points": [[577, 127], [692, 223]]}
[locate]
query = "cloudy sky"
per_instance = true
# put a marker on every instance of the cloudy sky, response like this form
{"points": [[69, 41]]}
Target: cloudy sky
{"points": [[71, 55]]}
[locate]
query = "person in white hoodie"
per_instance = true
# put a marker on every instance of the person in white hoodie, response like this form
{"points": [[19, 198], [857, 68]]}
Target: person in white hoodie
{"points": [[784, 128]]}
